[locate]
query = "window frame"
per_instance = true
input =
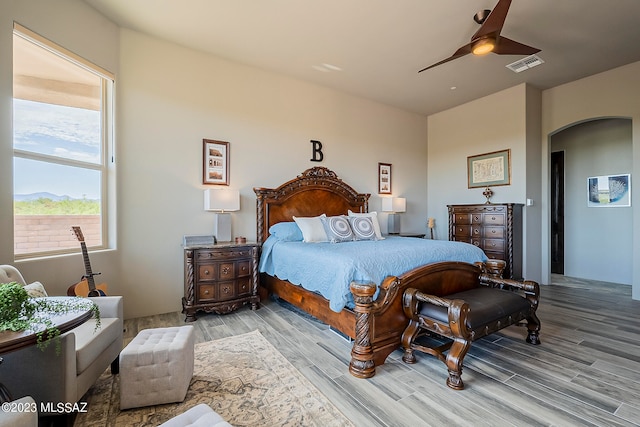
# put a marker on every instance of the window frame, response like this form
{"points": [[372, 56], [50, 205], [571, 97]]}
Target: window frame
{"points": [[107, 155]]}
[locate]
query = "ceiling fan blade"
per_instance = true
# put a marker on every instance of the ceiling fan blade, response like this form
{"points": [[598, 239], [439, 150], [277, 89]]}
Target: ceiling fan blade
{"points": [[507, 46], [495, 21], [464, 50]]}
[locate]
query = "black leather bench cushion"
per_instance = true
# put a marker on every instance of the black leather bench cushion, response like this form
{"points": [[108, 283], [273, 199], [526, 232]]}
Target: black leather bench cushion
{"points": [[486, 305]]}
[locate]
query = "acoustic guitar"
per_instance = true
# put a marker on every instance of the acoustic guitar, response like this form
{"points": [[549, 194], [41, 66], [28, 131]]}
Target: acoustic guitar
{"points": [[86, 287]]}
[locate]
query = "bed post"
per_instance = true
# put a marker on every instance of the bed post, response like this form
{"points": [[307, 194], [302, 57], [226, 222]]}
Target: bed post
{"points": [[362, 364]]}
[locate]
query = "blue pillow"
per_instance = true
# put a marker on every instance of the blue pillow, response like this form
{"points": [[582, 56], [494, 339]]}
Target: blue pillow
{"points": [[286, 231]]}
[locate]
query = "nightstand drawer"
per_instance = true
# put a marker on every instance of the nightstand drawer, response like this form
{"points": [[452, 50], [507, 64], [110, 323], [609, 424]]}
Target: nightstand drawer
{"points": [[222, 254], [207, 272], [226, 271], [243, 268], [226, 290], [206, 293], [243, 286]]}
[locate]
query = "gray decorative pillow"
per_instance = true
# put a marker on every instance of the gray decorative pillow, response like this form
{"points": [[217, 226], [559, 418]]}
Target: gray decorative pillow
{"points": [[362, 227], [337, 229]]}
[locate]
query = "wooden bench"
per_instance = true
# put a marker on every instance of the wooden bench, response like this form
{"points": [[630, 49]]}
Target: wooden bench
{"points": [[466, 313]]}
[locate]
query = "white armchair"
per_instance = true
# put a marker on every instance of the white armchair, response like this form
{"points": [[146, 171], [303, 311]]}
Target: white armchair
{"points": [[24, 418], [85, 355]]}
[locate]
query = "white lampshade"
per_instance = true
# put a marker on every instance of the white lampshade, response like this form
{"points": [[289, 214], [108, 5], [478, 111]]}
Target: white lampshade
{"points": [[394, 204], [222, 200]]}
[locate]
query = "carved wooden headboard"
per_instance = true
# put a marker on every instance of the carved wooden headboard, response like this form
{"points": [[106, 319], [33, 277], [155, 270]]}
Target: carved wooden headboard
{"points": [[315, 191]]}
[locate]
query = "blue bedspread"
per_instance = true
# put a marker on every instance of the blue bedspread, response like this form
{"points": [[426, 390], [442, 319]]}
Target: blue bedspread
{"points": [[329, 268]]}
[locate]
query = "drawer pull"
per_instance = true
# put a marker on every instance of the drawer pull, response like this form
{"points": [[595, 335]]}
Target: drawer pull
{"points": [[206, 272], [206, 292], [225, 270], [460, 229], [493, 231]]}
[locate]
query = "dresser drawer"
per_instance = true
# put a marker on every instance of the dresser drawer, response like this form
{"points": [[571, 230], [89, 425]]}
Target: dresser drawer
{"points": [[493, 245], [494, 233], [217, 291], [495, 255], [465, 239], [462, 218], [461, 231], [493, 219]]}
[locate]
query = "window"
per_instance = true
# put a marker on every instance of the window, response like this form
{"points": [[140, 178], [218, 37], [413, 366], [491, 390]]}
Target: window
{"points": [[61, 131]]}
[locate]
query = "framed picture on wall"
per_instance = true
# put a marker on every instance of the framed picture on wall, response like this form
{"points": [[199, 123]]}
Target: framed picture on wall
{"points": [[215, 162], [489, 170], [384, 178], [609, 191]]}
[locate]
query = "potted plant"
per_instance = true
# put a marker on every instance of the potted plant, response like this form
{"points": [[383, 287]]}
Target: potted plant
{"points": [[19, 312]]}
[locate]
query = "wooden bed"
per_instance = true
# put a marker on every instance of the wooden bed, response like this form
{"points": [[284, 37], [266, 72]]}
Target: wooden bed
{"points": [[376, 326]]}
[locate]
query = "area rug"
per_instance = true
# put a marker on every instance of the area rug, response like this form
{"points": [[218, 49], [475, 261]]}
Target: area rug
{"points": [[243, 378]]}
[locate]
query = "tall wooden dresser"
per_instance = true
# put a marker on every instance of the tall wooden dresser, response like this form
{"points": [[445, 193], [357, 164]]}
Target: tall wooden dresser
{"points": [[495, 228]]}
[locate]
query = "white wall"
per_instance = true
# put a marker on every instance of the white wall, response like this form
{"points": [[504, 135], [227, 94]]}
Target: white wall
{"points": [[170, 98], [614, 93], [504, 120]]}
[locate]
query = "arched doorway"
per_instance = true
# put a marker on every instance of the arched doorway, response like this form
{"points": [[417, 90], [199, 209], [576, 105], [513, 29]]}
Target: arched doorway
{"points": [[590, 242]]}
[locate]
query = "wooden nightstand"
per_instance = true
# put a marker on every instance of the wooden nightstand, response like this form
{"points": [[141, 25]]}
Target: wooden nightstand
{"points": [[220, 278]]}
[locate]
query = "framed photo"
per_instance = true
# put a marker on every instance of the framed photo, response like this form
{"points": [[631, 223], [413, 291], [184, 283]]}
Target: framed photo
{"points": [[384, 178], [215, 165], [609, 191], [489, 170]]}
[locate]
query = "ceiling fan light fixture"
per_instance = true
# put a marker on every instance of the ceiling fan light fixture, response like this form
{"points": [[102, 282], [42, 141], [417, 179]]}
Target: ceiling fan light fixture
{"points": [[483, 46]]}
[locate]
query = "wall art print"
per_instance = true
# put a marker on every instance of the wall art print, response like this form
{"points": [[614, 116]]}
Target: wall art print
{"points": [[215, 162], [489, 170], [609, 191], [384, 178]]}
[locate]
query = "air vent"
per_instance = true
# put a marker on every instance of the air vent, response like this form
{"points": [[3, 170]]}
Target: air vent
{"points": [[525, 64]]}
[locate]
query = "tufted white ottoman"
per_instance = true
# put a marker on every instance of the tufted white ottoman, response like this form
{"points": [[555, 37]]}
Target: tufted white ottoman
{"points": [[156, 367]]}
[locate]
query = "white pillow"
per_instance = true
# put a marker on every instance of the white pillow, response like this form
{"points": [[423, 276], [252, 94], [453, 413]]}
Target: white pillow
{"points": [[374, 219], [35, 290], [312, 228]]}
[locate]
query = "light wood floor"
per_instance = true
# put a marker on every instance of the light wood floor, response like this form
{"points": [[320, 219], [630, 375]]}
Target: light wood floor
{"points": [[585, 372]]}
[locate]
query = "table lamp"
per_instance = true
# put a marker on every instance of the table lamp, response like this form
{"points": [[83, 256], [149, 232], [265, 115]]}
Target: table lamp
{"points": [[222, 201], [394, 205]]}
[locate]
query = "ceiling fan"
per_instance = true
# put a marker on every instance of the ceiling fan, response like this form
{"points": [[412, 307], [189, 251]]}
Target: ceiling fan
{"points": [[488, 39]]}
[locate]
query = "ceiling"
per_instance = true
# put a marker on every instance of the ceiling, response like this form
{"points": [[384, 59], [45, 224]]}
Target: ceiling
{"points": [[379, 45]]}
